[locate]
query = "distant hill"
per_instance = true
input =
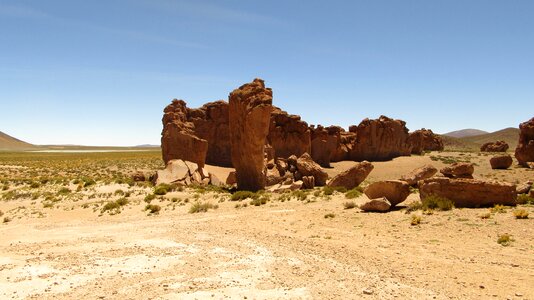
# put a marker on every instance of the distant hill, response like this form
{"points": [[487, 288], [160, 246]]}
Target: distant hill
{"points": [[465, 133], [147, 146], [509, 135], [8, 142]]}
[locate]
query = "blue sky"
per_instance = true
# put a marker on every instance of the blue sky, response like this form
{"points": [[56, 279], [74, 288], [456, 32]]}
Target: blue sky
{"points": [[101, 72]]}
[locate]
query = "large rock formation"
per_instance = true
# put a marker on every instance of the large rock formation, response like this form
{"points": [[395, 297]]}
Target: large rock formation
{"points": [[352, 177], [181, 172], [425, 140], [323, 145], [307, 167], [178, 139], [524, 152], [498, 146], [249, 118], [288, 134], [469, 192], [421, 173], [459, 170], [380, 140]]}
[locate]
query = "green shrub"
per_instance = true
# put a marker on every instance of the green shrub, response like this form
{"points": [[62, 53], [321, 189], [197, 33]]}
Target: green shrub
{"points": [[300, 195], [162, 189], [260, 201], [328, 190], [153, 209], [198, 207], [416, 220], [64, 191], [122, 201], [521, 214], [437, 203], [112, 205], [150, 197], [524, 199], [498, 208], [354, 193], [505, 239], [119, 192], [34, 185], [242, 195], [329, 216]]}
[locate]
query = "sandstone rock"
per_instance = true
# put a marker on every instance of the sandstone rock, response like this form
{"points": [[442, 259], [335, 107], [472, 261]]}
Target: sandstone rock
{"points": [[376, 205], [425, 140], [459, 170], [524, 152], [524, 187], [180, 172], [249, 117], [501, 162], [288, 134], [232, 178], [323, 146], [352, 177], [214, 180], [139, 176], [281, 166], [380, 140], [273, 177], [421, 173], [469, 192], [307, 167], [308, 182], [498, 146], [395, 191], [281, 188], [292, 161]]}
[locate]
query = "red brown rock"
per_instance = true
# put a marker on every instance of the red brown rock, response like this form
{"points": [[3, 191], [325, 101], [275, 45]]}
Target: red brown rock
{"points": [[395, 191], [307, 167], [469, 192], [498, 146], [425, 140], [459, 170], [376, 205], [524, 152], [139, 176], [323, 146], [249, 118], [380, 140], [524, 187], [352, 177], [232, 178], [501, 162], [308, 182], [421, 173], [288, 134]]}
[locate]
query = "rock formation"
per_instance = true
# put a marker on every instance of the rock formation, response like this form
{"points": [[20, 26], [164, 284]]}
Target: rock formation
{"points": [[421, 173], [395, 191], [425, 140], [376, 205], [524, 152], [469, 192], [459, 170], [288, 134], [181, 172], [498, 146], [307, 167], [501, 161], [249, 118], [323, 145], [352, 177]]}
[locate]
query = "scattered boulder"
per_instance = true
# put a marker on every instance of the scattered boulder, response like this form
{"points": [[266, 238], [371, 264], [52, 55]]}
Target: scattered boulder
{"points": [[249, 118], [459, 170], [273, 177], [376, 205], [524, 152], [469, 192], [425, 140], [307, 167], [232, 178], [421, 173], [181, 172], [524, 187], [352, 177], [308, 182], [139, 176], [501, 161], [288, 134], [395, 191], [498, 146]]}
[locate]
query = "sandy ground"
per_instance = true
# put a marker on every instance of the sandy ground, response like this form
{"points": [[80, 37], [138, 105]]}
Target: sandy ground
{"points": [[282, 250]]}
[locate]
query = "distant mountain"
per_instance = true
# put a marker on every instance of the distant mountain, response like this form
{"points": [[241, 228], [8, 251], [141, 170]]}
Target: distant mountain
{"points": [[509, 135], [8, 142], [465, 133]]}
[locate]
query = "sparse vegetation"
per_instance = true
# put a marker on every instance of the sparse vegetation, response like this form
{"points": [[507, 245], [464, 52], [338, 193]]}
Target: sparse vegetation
{"points": [[525, 199], [354, 193], [242, 195], [505, 239], [415, 220], [437, 203], [498, 208], [162, 189], [521, 214], [349, 205], [198, 207], [152, 209], [329, 216], [149, 198]]}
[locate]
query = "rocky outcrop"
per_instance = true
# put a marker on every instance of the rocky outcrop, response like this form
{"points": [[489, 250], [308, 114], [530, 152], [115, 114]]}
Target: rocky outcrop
{"points": [[459, 170], [288, 134], [395, 191], [249, 118], [307, 167], [352, 177], [421, 173], [469, 192], [380, 140], [186, 173], [425, 140], [498, 146], [501, 162], [524, 152], [376, 205], [323, 145]]}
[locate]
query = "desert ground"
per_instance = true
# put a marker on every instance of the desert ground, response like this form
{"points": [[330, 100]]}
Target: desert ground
{"points": [[76, 226]]}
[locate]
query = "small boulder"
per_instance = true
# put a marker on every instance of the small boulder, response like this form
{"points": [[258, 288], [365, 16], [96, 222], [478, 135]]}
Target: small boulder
{"points": [[501, 162], [376, 205], [139, 176], [395, 191], [281, 166], [307, 167], [421, 173], [232, 178], [308, 182], [459, 170], [353, 176], [524, 187]]}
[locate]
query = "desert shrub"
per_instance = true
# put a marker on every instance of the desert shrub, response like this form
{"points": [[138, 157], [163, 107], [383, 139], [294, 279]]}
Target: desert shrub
{"points": [[162, 189], [328, 190], [414, 206], [7, 219], [521, 214], [498, 208], [300, 195], [354, 193], [5, 187], [153, 209], [64, 191], [1, 213], [112, 205], [88, 181], [437, 203], [150, 197], [415, 220], [349, 205], [198, 207], [48, 204], [524, 199], [119, 192], [485, 215], [260, 201], [329, 216], [122, 201], [242, 195], [34, 185], [504, 239]]}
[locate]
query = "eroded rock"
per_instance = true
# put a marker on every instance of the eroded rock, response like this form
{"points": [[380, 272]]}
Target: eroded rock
{"points": [[376, 205], [307, 167], [421, 173], [498, 146], [395, 191], [524, 152], [352, 177], [459, 170], [501, 162]]}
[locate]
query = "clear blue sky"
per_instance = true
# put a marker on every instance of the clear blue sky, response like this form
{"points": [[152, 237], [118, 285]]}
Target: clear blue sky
{"points": [[101, 72]]}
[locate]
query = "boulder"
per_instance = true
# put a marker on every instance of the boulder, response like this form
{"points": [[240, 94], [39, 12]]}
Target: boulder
{"points": [[281, 166], [273, 177], [249, 118], [524, 152], [180, 172], [459, 170], [498, 146], [232, 178], [139, 176], [421, 173], [323, 146], [524, 187], [307, 167], [376, 205], [352, 177], [501, 162], [308, 182], [288, 134], [395, 191], [425, 140], [469, 192]]}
